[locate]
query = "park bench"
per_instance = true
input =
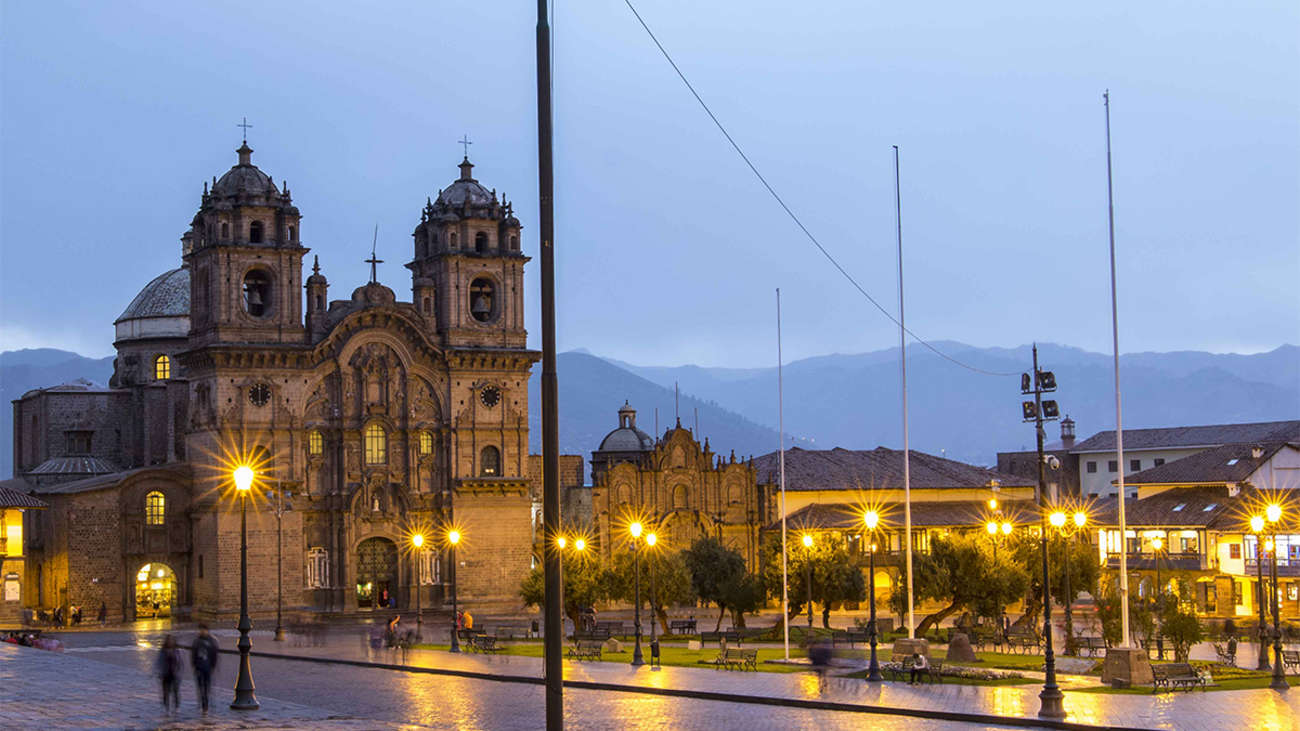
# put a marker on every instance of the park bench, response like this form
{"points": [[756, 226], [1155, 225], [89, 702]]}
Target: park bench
{"points": [[586, 650], [903, 670], [596, 633], [483, 643], [1290, 660], [724, 637], [612, 629], [682, 626], [1225, 656], [1090, 644], [849, 636], [1022, 641], [736, 658], [511, 631], [1175, 675]]}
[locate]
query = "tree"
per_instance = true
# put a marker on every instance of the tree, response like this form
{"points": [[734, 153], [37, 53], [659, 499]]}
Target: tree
{"points": [[672, 582], [718, 575], [962, 572], [1182, 628], [586, 583]]}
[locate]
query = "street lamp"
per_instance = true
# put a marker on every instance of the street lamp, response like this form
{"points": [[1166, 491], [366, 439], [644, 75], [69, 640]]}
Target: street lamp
{"points": [[1274, 514], [1067, 527], [453, 538], [279, 562], [871, 519], [1158, 544], [807, 564], [635, 530], [650, 540], [245, 698], [1257, 527], [417, 541]]}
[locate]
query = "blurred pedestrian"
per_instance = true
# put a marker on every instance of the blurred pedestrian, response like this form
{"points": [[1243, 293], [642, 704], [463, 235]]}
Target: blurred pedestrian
{"points": [[203, 656], [168, 668], [103, 613]]}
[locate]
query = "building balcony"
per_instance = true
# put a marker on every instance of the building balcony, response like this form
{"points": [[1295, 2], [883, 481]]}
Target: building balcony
{"points": [[1288, 567], [1191, 561]]}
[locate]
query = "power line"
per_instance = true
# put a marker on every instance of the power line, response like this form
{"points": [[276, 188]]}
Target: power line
{"points": [[791, 213]]}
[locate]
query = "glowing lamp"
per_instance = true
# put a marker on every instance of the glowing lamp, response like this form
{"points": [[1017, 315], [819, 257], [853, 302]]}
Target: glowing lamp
{"points": [[244, 478], [453, 537], [1273, 513], [1080, 519], [871, 518], [1157, 543], [1057, 519], [561, 541], [635, 530], [417, 540], [1257, 524], [651, 539], [807, 540], [580, 544], [1006, 529], [992, 528]]}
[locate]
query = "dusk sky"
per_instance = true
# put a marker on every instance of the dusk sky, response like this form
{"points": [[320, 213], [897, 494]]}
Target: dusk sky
{"points": [[669, 250]]}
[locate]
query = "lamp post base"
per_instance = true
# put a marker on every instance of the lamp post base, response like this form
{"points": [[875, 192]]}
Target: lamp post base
{"points": [[1053, 703], [279, 633]]}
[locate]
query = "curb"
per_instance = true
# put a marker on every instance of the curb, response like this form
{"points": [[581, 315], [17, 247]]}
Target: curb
{"points": [[815, 705]]}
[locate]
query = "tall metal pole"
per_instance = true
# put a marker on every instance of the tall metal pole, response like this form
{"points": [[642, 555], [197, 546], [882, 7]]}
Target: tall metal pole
{"points": [[1052, 700], [419, 614], [902, 354], [553, 581], [808, 578], [637, 658], [455, 612], [245, 698], [1160, 610], [1119, 411], [1069, 619], [780, 417], [279, 562]]}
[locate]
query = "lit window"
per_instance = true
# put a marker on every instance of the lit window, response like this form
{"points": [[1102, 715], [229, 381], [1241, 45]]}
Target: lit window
{"points": [[1232, 461], [155, 508], [426, 442], [490, 464], [376, 445], [315, 442], [1179, 507], [1209, 507], [162, 368]]}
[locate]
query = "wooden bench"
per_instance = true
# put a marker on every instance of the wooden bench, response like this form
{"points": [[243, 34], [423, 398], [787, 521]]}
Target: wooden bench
{"points": [[586, 650], [1225, 656], [903, 670], [1090, 645], [483, 643], [849, 636], [1175, 675], [1023, 642], [738, 659], [511, 631], [1290, 660], [723, 637], [597, 633], [682, 626], [612, 629]]}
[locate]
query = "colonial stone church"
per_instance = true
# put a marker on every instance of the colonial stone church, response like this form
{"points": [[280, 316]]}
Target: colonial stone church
{"points": [[369, 418]]}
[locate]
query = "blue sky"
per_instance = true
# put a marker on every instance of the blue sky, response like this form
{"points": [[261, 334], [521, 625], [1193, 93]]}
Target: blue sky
{"points": [[669, 251]]}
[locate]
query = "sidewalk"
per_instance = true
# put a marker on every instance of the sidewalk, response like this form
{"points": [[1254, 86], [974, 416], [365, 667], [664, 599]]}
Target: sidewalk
{"points": [[1262, 709], [43, 690]]}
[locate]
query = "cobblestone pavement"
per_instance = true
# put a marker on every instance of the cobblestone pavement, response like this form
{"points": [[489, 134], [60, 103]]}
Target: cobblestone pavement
{"points": [[1257, 709], [109, 686]]}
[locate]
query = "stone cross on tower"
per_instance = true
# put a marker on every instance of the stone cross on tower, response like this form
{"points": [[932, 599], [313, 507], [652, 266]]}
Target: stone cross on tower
{"points": [[246, 127], [374, 261], [464, 141]]}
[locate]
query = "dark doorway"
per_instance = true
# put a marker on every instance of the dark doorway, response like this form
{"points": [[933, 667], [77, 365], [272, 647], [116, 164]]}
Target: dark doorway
{"points": [[376, 573]]}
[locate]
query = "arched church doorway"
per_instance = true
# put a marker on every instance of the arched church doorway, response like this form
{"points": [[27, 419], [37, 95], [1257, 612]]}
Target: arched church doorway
{"points": [[155, 591], [376, 573]]}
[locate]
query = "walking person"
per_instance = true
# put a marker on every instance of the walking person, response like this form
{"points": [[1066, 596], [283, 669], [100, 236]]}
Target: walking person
{"points": [[168, 667], [203, 656], [103, 613]]}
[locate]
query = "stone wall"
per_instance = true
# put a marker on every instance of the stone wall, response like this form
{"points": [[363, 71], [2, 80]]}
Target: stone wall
{"points": [[496, 553]]}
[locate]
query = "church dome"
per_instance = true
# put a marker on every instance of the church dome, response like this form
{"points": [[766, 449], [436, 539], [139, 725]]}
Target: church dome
{"points": [[626, 438], [245, 179], [160, 310], [465, 190]]}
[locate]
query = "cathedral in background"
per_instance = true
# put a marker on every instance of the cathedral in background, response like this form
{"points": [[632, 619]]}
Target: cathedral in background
{"points": [[370, 418]]}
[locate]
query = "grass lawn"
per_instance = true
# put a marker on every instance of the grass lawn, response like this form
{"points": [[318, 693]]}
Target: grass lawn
{"points": [[668, 655], [1225, 678], [949, 680]]}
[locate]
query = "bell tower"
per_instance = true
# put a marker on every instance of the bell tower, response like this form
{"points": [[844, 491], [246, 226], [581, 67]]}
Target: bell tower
{"points": [[469, 267], [245, 260]]}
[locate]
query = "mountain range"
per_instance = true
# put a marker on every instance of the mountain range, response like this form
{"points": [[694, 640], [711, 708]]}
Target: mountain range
{"points": [[967, 411]]}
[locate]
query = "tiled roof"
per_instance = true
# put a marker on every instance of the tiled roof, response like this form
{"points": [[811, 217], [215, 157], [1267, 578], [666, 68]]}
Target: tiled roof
{"points": [[180, 471], [1211, 435], [73, 465], [924, 515], [13, 494], [844, 469], [1192, 507], [1230, 463]]}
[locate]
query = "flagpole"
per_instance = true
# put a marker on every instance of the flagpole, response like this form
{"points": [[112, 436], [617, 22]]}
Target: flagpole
{"points": [[907, 460], [1119, 413], [780, 418]]}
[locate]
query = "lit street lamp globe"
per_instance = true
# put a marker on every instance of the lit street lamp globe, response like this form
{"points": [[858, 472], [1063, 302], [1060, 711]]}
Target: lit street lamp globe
{"points": [[243, 478]]}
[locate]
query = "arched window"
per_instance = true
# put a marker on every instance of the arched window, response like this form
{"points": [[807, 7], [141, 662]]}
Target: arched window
{"points": [[426, 442], [482, 303], [428, 305], [315, 442], [257, 293], [681, 497], [255, 232], [225, 230], [490, 462], [293, 233], [162, 368], [376, 444], [155, 508], [451, 239], [514, 243], [480, 242]]}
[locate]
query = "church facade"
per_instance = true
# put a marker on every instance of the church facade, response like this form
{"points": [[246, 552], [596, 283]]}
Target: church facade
{"points": [[368, 419]]}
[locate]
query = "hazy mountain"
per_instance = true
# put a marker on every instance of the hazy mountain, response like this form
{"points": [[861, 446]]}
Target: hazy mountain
{"points": [[853, 400], [23, 370]]}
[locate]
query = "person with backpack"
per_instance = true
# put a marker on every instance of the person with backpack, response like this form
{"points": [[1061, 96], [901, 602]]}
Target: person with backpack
{"points": [[168, 668], [203, 656]]}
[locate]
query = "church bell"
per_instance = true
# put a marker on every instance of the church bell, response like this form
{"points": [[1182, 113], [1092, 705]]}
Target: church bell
{"points": [[482, 307]]}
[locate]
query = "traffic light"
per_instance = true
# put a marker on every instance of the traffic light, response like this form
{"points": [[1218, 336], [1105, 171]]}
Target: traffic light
{"points": [[1030, 410], [1051, 410]]}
